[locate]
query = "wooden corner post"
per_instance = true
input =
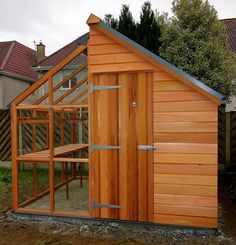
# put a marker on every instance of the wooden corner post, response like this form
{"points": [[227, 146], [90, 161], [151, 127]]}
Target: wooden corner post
{"points": [[51, 145], [34, 149], [14, 154]]}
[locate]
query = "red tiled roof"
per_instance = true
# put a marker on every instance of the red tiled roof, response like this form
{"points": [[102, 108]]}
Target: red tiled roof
{"points": [[231, 30], [59, 55], [17, 59]]}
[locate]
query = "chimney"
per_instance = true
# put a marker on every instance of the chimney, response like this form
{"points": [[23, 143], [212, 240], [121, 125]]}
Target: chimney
{"points": [[40, 52]]}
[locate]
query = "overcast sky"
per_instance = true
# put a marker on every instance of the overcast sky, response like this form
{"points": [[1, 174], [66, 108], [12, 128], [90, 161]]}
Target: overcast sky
{"points": [[58, 22]]}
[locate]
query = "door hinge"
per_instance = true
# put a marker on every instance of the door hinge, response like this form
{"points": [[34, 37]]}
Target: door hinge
{"points": [[102, 205], [104, 147], [146, 147], [96, 87]]}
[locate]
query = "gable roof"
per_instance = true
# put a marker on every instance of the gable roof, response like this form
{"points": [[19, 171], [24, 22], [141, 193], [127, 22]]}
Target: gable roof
{"points": [[60, 54], [155, 59], [17, 60], [231, 31]]}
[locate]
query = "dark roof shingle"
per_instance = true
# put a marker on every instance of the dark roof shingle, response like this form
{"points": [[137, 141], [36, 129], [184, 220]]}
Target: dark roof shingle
{"points": [[17, 59], [59, 55], [231, 31]]}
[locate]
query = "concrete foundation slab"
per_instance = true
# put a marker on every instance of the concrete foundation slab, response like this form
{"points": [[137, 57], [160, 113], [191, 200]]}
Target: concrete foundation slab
{"points": [[77, 201], [138, 231]]}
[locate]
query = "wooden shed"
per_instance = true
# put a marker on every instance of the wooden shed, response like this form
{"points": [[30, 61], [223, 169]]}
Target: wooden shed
{"points": [[151, 148]]}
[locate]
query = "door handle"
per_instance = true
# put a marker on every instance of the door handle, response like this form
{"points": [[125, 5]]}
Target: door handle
{"points": [[146, 147]]}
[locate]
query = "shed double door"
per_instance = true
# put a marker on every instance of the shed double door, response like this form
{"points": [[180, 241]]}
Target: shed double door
{"points": [[121, 176]]}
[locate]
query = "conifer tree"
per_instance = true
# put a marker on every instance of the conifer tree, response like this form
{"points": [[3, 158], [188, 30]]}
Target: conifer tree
{"points": [[126, 24], [146, 32], [148, 29]]}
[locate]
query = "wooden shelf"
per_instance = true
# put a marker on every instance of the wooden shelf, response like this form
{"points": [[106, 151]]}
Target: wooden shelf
{"points": [[71, 160], [43, 156], [47, 107]]}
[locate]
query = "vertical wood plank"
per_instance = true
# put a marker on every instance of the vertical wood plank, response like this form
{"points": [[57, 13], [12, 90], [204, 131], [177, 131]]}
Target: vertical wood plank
{"points": [[123, 120], [128, 171], [108, 127], [94, 157], [51, 146], [14, 153], [93, 189], [142, 140], [150, 140], [62, 143], [66, 179], [47, 128], [74, 141], [34, 149]]}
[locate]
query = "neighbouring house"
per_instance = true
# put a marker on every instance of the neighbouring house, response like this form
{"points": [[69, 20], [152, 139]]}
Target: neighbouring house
{"points": [[231, 31], [46, 64], [16, 73]]}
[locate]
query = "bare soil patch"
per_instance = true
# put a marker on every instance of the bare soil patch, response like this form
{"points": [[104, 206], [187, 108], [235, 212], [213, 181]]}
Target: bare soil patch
{"points": [[29, 233]]}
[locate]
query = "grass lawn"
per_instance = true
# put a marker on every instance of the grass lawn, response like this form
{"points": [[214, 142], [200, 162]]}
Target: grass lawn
{"points": [[25, 184], [5, 189]]}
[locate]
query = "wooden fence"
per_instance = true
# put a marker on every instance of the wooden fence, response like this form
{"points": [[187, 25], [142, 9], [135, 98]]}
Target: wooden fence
{"points": [[25, 133], [5, 135], [221, 136], [232, 138], [227, 139]]}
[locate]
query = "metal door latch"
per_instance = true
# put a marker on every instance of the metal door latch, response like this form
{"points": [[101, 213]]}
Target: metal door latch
{"points": [[101, 205], [146, 147]]}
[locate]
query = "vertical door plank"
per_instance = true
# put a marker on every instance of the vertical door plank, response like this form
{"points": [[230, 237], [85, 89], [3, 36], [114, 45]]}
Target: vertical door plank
{"points": [[109, 136], [150, 140], [94, 161], [142, 140], [105, 132], [128, 171]]}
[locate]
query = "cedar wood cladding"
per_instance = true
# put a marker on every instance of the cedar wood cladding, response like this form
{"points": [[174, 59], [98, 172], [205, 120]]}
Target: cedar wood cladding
{"points": [[185, 133]]}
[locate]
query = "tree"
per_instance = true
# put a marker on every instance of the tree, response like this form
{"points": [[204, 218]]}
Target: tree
{"points": [[126, 24], [148, 30], [195, 41]]}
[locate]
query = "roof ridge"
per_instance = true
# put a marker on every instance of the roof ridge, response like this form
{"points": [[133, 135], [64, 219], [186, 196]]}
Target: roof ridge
{"points": [[7, 41], [24, 45], [38, 64], [8, 55]]}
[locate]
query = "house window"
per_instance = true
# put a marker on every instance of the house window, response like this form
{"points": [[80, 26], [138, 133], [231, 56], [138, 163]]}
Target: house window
{"points": [[69, 84]]}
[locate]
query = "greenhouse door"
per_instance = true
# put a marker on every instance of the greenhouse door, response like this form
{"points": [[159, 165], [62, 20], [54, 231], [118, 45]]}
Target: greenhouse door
{"points": [[121, 146]]}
